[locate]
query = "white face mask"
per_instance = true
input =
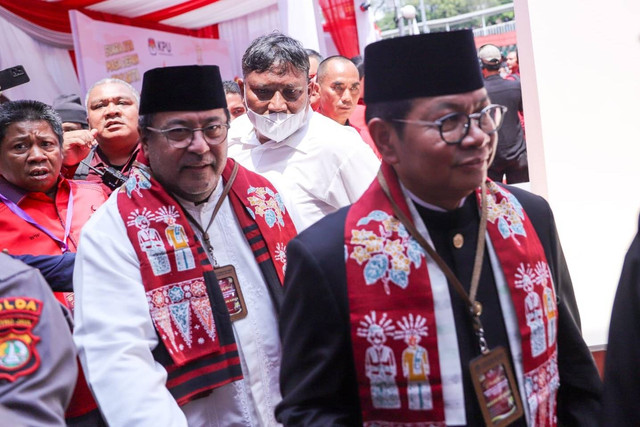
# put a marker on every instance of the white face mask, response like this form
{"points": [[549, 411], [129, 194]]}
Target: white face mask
{"points": [[278, 126]]}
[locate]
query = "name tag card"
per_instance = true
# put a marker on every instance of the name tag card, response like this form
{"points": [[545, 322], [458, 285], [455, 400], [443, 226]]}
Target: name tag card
{"points": [[231, 291], [496, 388]]}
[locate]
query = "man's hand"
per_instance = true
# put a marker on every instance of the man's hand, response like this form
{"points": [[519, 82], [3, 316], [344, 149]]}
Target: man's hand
{"points": [[76, 145]]}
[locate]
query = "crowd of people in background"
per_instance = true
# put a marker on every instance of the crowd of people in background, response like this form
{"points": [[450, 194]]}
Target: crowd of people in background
{"points": [[286, 249]]}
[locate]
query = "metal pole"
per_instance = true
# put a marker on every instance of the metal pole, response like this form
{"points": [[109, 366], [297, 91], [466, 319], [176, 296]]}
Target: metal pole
{"points": [[423, 14]]}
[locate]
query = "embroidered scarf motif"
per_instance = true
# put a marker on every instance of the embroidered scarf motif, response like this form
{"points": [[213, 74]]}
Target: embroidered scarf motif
{"points": [[393, 324], [526, 270], [179, 281]]}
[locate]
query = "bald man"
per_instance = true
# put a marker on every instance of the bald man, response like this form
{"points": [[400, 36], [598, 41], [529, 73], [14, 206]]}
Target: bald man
{"points": [[339, 83]]}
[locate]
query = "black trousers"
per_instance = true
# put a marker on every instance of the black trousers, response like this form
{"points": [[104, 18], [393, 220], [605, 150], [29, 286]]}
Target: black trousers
{"points": [[514, 170]]}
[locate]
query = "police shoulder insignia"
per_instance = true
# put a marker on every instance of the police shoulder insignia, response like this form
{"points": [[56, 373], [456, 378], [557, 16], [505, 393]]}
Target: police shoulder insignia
{"points": [[18, 353]]}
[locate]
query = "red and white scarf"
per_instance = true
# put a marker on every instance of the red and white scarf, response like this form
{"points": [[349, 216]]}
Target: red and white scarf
{"points": [[176, 273], [393, 323]]}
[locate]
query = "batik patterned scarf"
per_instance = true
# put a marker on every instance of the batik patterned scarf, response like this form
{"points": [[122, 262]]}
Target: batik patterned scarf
{"points": [[179, 280], [393, 325]]}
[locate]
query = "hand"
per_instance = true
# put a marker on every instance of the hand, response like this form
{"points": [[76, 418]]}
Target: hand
{"points": [[76, 145]]}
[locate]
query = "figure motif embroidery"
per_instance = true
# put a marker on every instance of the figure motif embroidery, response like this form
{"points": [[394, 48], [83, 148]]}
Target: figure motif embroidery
{"points": [[267, 204], [389, 254], [415, 362], [526, 278], [543, 277], [281, 255], [150, 241], [177, 237], [508, 213], [380, 363]]}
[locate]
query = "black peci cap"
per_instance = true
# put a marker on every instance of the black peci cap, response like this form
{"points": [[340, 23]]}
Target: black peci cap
{"points": [[424, 65], [182, 88]]}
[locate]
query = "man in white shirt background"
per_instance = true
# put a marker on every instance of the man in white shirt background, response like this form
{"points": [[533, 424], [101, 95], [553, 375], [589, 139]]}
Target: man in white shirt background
{"points": [[318, 164]]}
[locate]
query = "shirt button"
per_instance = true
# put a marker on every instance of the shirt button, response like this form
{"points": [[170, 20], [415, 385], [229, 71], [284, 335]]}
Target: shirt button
{"points": [[458, 241]]}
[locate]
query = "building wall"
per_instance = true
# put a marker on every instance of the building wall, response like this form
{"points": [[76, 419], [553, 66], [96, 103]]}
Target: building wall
{"points": [[580, 63]]}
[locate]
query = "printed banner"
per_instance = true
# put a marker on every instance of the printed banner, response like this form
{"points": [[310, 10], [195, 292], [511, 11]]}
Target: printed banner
{"points": [[105, 49]]}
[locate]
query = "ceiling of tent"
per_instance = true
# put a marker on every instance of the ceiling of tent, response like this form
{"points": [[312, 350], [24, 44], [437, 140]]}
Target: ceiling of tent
{"points": [[193, 14], [190, 15]]}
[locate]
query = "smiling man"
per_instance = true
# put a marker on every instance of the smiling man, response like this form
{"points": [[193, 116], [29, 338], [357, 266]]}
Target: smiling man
{"points": [[179, 277], [439, 297], [319, 164], [111, 143], [42, 213]]}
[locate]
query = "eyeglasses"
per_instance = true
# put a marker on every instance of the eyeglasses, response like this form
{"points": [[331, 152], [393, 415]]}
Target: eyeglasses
{"points": [[455, 126], [181, 137]]}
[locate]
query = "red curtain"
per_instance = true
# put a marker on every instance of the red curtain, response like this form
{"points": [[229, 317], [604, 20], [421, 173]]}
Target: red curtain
{"points": [[340, 17]]}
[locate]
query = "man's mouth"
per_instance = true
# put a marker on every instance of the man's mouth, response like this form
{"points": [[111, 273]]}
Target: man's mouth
{"points": [[473, 161], [197, 165], [113, 123], [39, 172]]}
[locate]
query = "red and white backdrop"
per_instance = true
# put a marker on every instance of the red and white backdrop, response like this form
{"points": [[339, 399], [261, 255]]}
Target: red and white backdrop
{"points": [[38, 34]]}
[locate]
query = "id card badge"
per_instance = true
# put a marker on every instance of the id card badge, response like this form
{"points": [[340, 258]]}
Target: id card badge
{"points": [[496, 388], [231, 291]]}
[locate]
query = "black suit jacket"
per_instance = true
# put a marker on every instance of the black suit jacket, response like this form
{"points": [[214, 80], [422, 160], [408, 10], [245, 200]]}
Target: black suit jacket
{"points": [[621, 375], [318, 379]]}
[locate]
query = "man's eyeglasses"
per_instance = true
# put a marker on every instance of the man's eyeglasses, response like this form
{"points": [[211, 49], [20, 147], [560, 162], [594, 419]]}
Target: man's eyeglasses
{"points": [[181, 137], [455, 126]]}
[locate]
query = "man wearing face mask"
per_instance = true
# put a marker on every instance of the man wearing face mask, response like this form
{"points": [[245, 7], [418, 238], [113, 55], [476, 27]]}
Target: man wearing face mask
{"points": [[320, 165]]}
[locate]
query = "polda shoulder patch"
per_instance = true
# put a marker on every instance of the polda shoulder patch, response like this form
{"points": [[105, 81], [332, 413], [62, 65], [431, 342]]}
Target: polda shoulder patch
{"points": [[18, 353]]}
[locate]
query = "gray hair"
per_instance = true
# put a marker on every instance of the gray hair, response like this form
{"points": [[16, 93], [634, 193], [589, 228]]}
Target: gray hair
{"points": [[107, 80], [29, 111], [230, 86], [314, 54], [275, 52]]}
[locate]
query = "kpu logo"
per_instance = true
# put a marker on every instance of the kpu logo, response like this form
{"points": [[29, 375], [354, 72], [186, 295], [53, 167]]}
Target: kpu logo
{"points": [[159, 47]]}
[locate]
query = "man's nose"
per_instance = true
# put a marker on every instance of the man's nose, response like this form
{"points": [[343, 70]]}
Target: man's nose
{"points": [[347, 97], [36, 154], [277, 103], [198, 144], [476, 136], [112, 109]]}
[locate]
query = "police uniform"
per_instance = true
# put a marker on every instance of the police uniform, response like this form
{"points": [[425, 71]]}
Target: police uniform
{"points": [[38, 367]]}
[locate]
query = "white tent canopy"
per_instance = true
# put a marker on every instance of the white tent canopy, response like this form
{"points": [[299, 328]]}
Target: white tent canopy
{"points": [[44, 51]]}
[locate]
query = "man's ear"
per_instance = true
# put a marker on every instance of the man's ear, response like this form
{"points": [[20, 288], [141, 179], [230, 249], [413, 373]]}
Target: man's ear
{"points": [[386, 138], [144, 142], [314, 94], [241, 86]]}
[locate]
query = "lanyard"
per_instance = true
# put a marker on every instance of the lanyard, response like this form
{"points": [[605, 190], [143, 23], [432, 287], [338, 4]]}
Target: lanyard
{"points": [[67, 226], [475, 307], [204, 231]]}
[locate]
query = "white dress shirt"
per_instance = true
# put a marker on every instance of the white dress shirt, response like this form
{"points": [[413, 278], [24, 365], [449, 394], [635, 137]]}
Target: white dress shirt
{"points": [[321, 167], [115, 335]]}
